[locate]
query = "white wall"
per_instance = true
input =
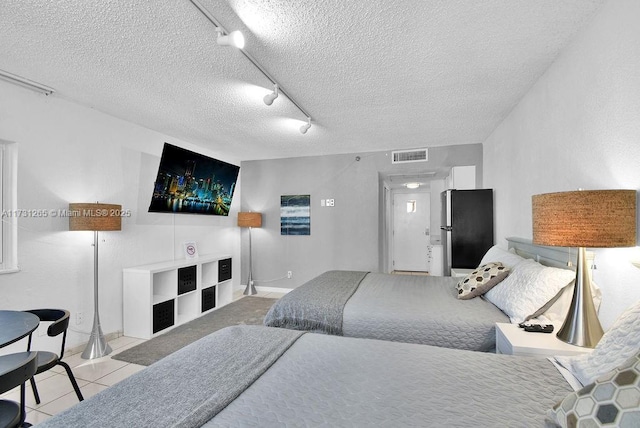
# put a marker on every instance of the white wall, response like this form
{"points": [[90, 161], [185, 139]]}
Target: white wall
{"points": [[578, 127], [349, 235], [71, 153]]}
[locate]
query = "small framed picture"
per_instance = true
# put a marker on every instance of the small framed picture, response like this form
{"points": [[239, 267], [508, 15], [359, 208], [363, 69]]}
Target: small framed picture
{"points": [[190, 250]]}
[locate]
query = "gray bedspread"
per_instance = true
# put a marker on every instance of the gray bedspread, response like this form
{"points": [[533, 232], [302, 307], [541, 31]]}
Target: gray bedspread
{"points": [[402, 308], [332, 381], [317, 305], [420, 309], [266, 377], [188, 387]]}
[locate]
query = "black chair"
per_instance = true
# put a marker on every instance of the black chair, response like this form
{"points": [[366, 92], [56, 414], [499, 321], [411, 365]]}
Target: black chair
{"points": [[15, 370], [59, 319]]}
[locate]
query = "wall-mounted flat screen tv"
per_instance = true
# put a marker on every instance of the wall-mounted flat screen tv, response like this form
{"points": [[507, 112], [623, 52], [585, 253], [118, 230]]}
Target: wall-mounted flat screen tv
{"points": [[192, 183]]}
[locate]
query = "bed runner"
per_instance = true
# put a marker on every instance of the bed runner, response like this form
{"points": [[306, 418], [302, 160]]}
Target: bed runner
{"points": [[318, 304], [186, 388]]}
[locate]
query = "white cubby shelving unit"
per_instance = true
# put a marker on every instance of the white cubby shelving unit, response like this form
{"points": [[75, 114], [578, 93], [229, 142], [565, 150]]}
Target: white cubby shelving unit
{"points": [[160, 296]]}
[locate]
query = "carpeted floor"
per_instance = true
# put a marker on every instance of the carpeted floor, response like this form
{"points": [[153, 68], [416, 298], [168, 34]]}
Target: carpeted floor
{"points": [[248, 310]]}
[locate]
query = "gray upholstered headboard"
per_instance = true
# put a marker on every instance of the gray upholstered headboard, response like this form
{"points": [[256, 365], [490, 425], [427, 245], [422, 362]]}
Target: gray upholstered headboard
{"points": [[548, 256]]}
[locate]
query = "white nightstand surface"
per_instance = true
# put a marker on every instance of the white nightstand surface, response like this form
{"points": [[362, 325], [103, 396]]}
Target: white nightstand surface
{"points": [[461, 271], [511, 339]]}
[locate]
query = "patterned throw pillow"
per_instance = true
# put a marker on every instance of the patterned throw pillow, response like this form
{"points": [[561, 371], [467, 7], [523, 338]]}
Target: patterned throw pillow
{"points": [[612, 400], [620, 342], [481, 280]]}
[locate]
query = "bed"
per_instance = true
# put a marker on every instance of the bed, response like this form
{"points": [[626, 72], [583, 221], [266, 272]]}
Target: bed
{"points": [[422, 309], [268, 377]]}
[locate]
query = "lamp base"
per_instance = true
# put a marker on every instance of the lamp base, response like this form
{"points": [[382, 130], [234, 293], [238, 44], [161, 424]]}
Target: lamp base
{"points": [[581, 327], [97, 346], [250, 290]]}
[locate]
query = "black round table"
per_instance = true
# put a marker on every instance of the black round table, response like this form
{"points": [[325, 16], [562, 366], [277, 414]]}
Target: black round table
{"points": [[15, 325]]}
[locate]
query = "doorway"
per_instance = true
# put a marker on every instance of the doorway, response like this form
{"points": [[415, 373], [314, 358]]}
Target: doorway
{"points": [[410, 234]]}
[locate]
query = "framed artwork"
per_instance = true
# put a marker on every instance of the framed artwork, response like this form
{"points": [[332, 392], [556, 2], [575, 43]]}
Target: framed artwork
{"points": [[295, 218]]}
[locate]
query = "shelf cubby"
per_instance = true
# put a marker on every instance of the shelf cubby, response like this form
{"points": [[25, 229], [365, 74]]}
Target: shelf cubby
{"points": [[161, 296]]}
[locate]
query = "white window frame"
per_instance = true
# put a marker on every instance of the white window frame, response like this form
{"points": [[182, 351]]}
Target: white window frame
{"points": [[8, 207]]}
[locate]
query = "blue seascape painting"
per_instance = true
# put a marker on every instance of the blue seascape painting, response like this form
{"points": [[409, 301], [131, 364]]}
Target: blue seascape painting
{"points": [[295, 218]]}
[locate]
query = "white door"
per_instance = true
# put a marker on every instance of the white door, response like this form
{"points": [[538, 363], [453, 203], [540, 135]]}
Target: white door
{"points": [[411, 218]]}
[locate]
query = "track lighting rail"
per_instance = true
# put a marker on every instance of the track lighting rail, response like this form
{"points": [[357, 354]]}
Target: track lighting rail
{"points": [[266, 74], [26, 83]]}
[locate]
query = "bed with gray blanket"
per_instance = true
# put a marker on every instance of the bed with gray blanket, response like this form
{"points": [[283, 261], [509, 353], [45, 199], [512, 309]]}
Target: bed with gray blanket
{"points": [[401, 308], [258, 376]]}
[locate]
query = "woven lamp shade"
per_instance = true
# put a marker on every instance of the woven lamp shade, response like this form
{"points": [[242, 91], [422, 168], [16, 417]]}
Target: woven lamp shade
{"points": [[95, 217], [249, 219], [585, 218]]}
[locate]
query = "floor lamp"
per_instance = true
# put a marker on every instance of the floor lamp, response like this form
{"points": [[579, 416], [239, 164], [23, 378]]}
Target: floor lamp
{"points": [[595, 219], [250, 220], [97, 218]]}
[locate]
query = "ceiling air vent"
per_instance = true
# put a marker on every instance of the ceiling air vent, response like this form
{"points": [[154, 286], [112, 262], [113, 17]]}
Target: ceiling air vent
{"points": [[404, 156]]}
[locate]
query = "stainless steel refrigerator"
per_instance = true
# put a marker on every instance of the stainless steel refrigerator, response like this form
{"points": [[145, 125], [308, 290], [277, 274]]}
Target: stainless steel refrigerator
{"points": [[467, 227]]}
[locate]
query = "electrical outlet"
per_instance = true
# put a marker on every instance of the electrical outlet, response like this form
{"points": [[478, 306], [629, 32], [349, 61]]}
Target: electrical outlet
{"points": [[330, 202], [79, 318], [289, 274]]}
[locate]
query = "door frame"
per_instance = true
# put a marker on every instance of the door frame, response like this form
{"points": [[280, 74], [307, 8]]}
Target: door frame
{"points": [[389, 194]]}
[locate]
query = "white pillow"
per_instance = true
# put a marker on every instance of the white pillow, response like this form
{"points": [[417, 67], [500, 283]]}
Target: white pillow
{"points": [[528, 288], [497, 254], [618, 344], [556, 309]]}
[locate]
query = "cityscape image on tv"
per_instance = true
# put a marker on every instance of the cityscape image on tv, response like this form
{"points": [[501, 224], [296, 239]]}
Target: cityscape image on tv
{"points": [[192, 183]]}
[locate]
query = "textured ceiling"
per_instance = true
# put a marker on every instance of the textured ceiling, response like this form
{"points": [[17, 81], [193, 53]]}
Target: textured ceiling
{"points": [[374, 75]]}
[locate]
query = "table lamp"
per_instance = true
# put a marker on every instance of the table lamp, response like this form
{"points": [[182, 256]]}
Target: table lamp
{"points": [[250, 220], [95, 217], [590, 218]]}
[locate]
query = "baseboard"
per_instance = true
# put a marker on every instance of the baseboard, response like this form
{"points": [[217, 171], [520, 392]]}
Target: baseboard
{"points": [[273, 289], [265, 289]]}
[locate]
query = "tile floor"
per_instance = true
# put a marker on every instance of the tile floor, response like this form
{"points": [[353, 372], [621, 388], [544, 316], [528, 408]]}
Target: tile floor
{"points": [[93, 376]]}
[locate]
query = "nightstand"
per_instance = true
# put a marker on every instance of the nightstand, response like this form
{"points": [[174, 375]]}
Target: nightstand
{"points": [[461, 271], [511, 339]]}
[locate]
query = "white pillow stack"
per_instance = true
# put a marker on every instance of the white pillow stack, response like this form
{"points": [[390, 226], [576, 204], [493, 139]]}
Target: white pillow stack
{"points": [[528, 288], [497, 254]]}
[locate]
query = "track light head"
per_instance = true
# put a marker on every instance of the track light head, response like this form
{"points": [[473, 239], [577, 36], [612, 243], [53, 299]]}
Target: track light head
{"points": [[270, 98], [304, 128], [234, 38]]}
